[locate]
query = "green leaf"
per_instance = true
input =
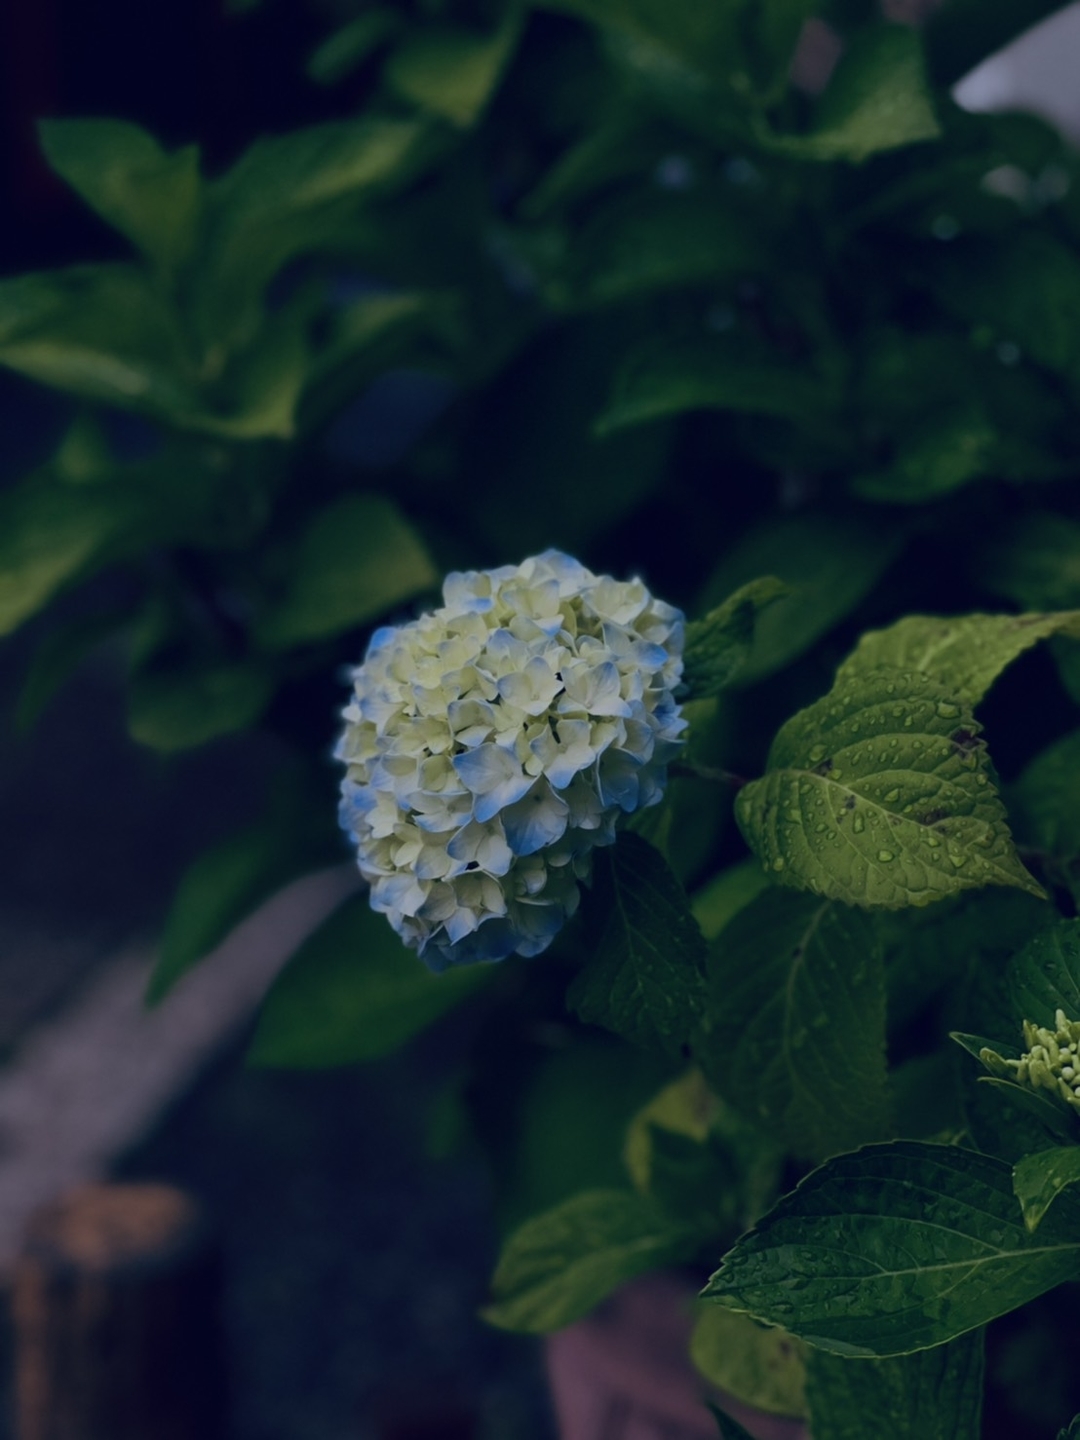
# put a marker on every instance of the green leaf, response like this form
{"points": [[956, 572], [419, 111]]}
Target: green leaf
{"points": [[963, 654], [935, 1394], [829, 563], [682, 1107], [353, 992], [641, 244], [1038, 563], [701, 34], [765, 1368], [1040, 1178], [878, 99], [795, 1035], [101, 331], [1045, 799], [718, 645], [286, 196], [58, 656], [897, 1248], [669, 377], [561, 1264], [1044, 976], [719, 901], [147, 194], [646, 978], [881, 794], [230, 880], [943, 454], [1073, 1430], [357, 559], [453, 72], [184, 706], [346, 49]]}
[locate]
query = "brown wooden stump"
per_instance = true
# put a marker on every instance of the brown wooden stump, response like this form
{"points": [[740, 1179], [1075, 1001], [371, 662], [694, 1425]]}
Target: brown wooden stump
{"points": [[115, 1308]]}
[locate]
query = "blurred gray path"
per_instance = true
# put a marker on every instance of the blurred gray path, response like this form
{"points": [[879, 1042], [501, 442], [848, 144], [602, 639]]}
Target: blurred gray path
{"points": [[89, 1083]]}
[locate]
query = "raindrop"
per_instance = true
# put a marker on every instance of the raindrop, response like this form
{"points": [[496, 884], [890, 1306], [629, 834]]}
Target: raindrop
{"points": [[858, 824], [778, 863], [885, 855], [946, 710]]}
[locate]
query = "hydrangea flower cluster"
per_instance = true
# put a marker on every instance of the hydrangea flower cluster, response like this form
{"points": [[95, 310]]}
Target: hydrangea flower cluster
{"points": [[1051, 1061], [492, 745]]}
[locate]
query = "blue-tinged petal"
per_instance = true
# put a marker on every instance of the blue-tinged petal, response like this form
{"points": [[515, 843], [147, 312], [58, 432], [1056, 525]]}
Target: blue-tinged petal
{"points": [[537, 820]]}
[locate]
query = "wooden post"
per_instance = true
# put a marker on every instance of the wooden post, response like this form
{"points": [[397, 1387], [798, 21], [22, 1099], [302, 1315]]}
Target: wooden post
{"points": [[115, 1308]]}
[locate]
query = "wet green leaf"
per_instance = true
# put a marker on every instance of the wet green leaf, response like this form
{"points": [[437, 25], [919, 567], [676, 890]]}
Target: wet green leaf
{"points": [[963, 654], [882, 795], [353, 992], [795, 1030], [1040, 1178], [646, 977], [878, 99], [935, 1394], [895, 1249], [561, 1264]]}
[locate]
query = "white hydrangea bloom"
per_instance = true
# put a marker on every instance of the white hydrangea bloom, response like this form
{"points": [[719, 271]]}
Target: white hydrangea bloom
{"points": [[492, 745]]}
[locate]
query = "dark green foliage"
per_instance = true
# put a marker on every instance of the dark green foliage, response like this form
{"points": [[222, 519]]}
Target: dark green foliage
{"points": [[803, 350]]}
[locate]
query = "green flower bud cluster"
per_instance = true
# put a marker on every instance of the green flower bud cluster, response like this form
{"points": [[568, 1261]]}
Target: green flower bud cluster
{"points": [[1051, 1061]]}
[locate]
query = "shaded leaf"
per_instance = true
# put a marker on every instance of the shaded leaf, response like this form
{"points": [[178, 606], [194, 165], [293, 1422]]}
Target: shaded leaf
{"points": [[829, 563], [881, 794], [729, 1428], [964, 654], [230, 880], [897, 1248], [670, 377], [646, 977], [765, 1368], [451, 71], [357, 559], [935, 1394], [1040, 1178], [347, 48], [57, 658], [184, 706], [1045, 799], [146, 193], [795, 1029], [561, 1264], [719, 644], [353, 992], [878, 99], [1044, 976], [721, 899]]}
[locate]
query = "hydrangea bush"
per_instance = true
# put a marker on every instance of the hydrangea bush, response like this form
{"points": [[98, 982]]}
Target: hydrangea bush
{"points": [[758, 931], [491, 746]]}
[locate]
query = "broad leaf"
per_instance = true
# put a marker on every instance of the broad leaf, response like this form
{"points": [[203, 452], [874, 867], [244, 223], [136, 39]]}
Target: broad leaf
{"points": [[1040, 1178], [1037, 564], [453, 72], [1073, 1430], [179, 707], [646, 978], [353, 992], [897, 1248], [561, 1264], [230, 879], [934, 1395], [882, 795], [1045, 799], [828, 564], [357, 559], [1044, 976], [721, 899], [762, 1367], [150, 196], [877, 100], [795, 1035], [669, 377], [718, 645], [346, 49], [963, 654], [101, 331]]}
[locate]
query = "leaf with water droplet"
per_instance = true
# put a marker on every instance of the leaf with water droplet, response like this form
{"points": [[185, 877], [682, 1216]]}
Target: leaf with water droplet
{"points": [[927, 785], [965, 654], [1040, 1178], [796, 1030], [934, 1395], [902, 1257]]}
